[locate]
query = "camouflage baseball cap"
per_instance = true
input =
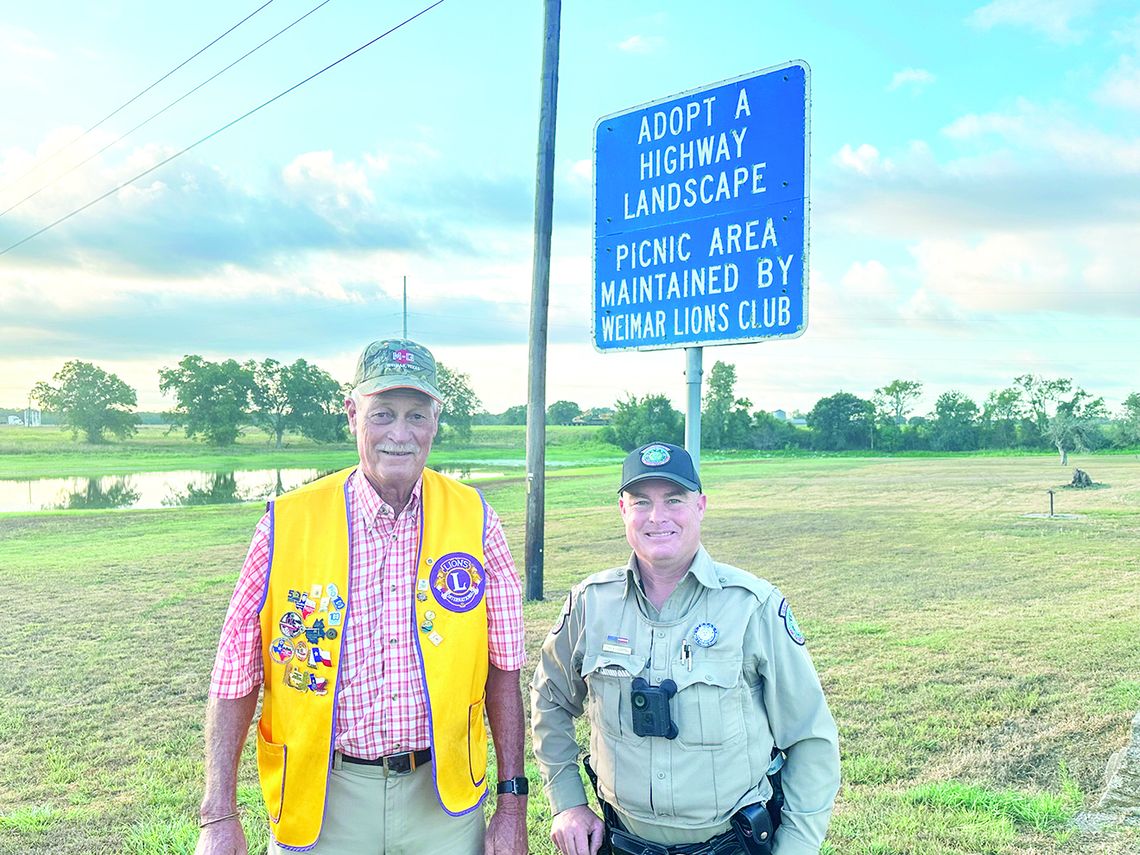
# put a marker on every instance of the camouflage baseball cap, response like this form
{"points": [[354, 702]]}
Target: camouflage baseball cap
{"points": [[396, 364]]}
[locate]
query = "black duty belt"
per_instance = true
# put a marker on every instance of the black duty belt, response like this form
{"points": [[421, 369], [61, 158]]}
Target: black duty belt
{"points": [[398, 763], [624, 843]]}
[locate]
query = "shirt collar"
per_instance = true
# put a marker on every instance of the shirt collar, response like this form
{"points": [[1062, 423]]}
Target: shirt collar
{"points": [[372, 508], [702, 569]]}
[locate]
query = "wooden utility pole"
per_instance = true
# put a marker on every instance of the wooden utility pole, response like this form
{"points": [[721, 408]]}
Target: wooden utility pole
{"points": [[539, 309]]}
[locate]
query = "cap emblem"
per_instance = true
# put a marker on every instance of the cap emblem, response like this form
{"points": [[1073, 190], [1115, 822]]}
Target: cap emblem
{"points": [[655, 455], [403, 357]]}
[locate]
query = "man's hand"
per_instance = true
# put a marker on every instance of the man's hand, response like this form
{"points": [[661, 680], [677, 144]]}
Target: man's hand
{"points": [[506, 832], [222, 838], [577, 831]]}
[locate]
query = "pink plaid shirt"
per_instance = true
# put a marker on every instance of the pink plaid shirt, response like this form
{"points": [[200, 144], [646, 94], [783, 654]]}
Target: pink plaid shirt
{"points": [[381, 708]]}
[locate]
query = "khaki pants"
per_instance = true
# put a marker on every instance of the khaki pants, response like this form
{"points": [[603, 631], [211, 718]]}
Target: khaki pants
{"points": [[370, 814]]}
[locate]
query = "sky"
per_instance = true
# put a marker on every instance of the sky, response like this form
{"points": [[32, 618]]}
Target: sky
{"points": [[974, 189]]}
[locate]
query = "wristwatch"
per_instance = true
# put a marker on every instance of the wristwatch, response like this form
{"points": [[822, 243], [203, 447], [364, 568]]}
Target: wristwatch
{"points": [[519, 786]]}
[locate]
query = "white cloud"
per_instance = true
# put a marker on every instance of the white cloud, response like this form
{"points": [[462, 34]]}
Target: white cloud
{"points": [[1121, 87], [1045, 132], [1052, 18], [641, 44], [869, 280], [16, 41], [916, 78], [864, 159], [317, 174]]}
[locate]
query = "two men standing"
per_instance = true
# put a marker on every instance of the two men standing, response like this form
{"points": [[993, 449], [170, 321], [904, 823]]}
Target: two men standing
{"points": [[380, 611]]}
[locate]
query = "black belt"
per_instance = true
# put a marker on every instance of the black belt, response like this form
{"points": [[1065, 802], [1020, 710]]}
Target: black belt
{"points": [[624, 843], [398, 763]]}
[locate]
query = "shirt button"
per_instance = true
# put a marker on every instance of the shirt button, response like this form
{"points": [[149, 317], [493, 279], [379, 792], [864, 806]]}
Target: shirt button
{"points": [[660, 775], [391, 641], [394, 696], [660, 633]]}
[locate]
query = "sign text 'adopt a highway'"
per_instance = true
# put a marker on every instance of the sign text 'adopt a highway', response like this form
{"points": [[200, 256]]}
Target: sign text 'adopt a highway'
{"points": [[701, 215]]}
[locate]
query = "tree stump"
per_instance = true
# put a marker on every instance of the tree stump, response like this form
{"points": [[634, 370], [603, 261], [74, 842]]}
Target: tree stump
{"points": [[1122, 793], [1081, 479]]}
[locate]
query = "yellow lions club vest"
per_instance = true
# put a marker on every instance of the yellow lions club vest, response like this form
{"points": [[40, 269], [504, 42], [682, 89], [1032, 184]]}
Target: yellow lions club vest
{"points": [[304, 615]]}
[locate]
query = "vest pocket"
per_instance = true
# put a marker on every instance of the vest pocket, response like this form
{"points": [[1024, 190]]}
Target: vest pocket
{"points": [[477, 741], [271, 761]]}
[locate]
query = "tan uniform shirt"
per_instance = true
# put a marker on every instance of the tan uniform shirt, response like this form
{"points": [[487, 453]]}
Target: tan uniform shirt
{"points": [[752, 687]]}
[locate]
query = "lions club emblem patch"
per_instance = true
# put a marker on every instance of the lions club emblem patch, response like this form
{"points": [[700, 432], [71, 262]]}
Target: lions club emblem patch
{"points": [[458, 581], [655, 455]]}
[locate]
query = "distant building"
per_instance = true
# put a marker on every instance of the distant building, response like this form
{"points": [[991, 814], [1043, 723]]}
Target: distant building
{"points": [[31, 418], [15, 420], [780, 414], [597, 416]]}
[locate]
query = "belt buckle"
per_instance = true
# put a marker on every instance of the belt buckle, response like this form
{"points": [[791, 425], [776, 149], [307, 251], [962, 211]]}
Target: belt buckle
{"points": [[411, 760]]}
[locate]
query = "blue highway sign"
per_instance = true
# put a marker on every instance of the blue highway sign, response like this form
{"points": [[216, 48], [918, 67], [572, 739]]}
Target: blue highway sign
{"points": [[701, 215]]}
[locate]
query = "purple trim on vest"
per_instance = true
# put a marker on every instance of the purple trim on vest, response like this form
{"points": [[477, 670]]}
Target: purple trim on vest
{"points": [[340, 658], [269, 509], [424, 682], [486, 521]]}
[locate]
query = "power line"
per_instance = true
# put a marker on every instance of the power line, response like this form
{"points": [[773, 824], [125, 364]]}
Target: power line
{"points": [[154, 116], [224, 127], [126, 104]]}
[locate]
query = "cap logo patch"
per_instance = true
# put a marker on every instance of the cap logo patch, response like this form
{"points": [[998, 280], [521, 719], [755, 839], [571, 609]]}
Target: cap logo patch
{"points": [[402, 357], [655, 455]]}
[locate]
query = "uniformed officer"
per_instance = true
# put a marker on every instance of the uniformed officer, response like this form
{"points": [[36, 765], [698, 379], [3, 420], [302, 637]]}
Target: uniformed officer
{"points": [[693, 675]]}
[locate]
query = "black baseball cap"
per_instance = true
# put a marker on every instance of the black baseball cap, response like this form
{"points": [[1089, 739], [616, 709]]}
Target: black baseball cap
{"points": [[660, 460]]}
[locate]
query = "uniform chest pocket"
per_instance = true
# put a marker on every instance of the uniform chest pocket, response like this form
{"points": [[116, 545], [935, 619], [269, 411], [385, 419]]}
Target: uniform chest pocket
{"points": [[608, 677], [709, 707]]}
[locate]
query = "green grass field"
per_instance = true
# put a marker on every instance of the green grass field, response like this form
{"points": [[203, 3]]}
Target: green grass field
{"points": [[982, 665]]}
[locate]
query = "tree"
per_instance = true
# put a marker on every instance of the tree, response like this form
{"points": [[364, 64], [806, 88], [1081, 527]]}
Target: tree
{"points": [[841, 421], [89, 401], [515, 415], [1000, 415], [299, 397], [562, 413], [636, 422], [897, 398], [725, 422], [1038, 393], [770, 433], [955, 425], [212, 397], [1074, 426], [1130, 421], [459, 400]]}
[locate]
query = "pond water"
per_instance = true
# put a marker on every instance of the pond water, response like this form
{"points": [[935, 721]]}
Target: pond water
{"points": [[165, 489]]}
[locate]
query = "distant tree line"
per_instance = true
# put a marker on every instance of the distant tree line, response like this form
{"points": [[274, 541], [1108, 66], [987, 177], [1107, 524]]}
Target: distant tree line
{"points": [[1034, 413], [214, 401]]}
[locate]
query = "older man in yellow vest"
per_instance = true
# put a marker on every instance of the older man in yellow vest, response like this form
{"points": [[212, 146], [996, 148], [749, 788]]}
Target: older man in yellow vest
{"points": [[380, 611]]}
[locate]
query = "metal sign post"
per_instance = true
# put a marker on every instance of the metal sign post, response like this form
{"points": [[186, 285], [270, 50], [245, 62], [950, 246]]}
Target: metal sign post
{"points": [[701, 219]]}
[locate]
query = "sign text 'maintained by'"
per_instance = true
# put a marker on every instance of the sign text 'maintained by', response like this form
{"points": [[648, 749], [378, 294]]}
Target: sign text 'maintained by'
{"points": [[700, 229]]}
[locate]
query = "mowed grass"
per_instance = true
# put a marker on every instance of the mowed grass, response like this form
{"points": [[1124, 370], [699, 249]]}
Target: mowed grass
{"points": [[982, 665]]}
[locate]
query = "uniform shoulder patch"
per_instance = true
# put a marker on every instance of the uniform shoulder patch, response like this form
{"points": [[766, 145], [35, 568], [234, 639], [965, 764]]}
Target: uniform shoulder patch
{"points": [[790, 624]]}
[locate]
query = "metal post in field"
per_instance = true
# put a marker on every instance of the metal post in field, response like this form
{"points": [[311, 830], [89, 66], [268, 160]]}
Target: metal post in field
{"points": [[693, 374], [539, 308]]}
